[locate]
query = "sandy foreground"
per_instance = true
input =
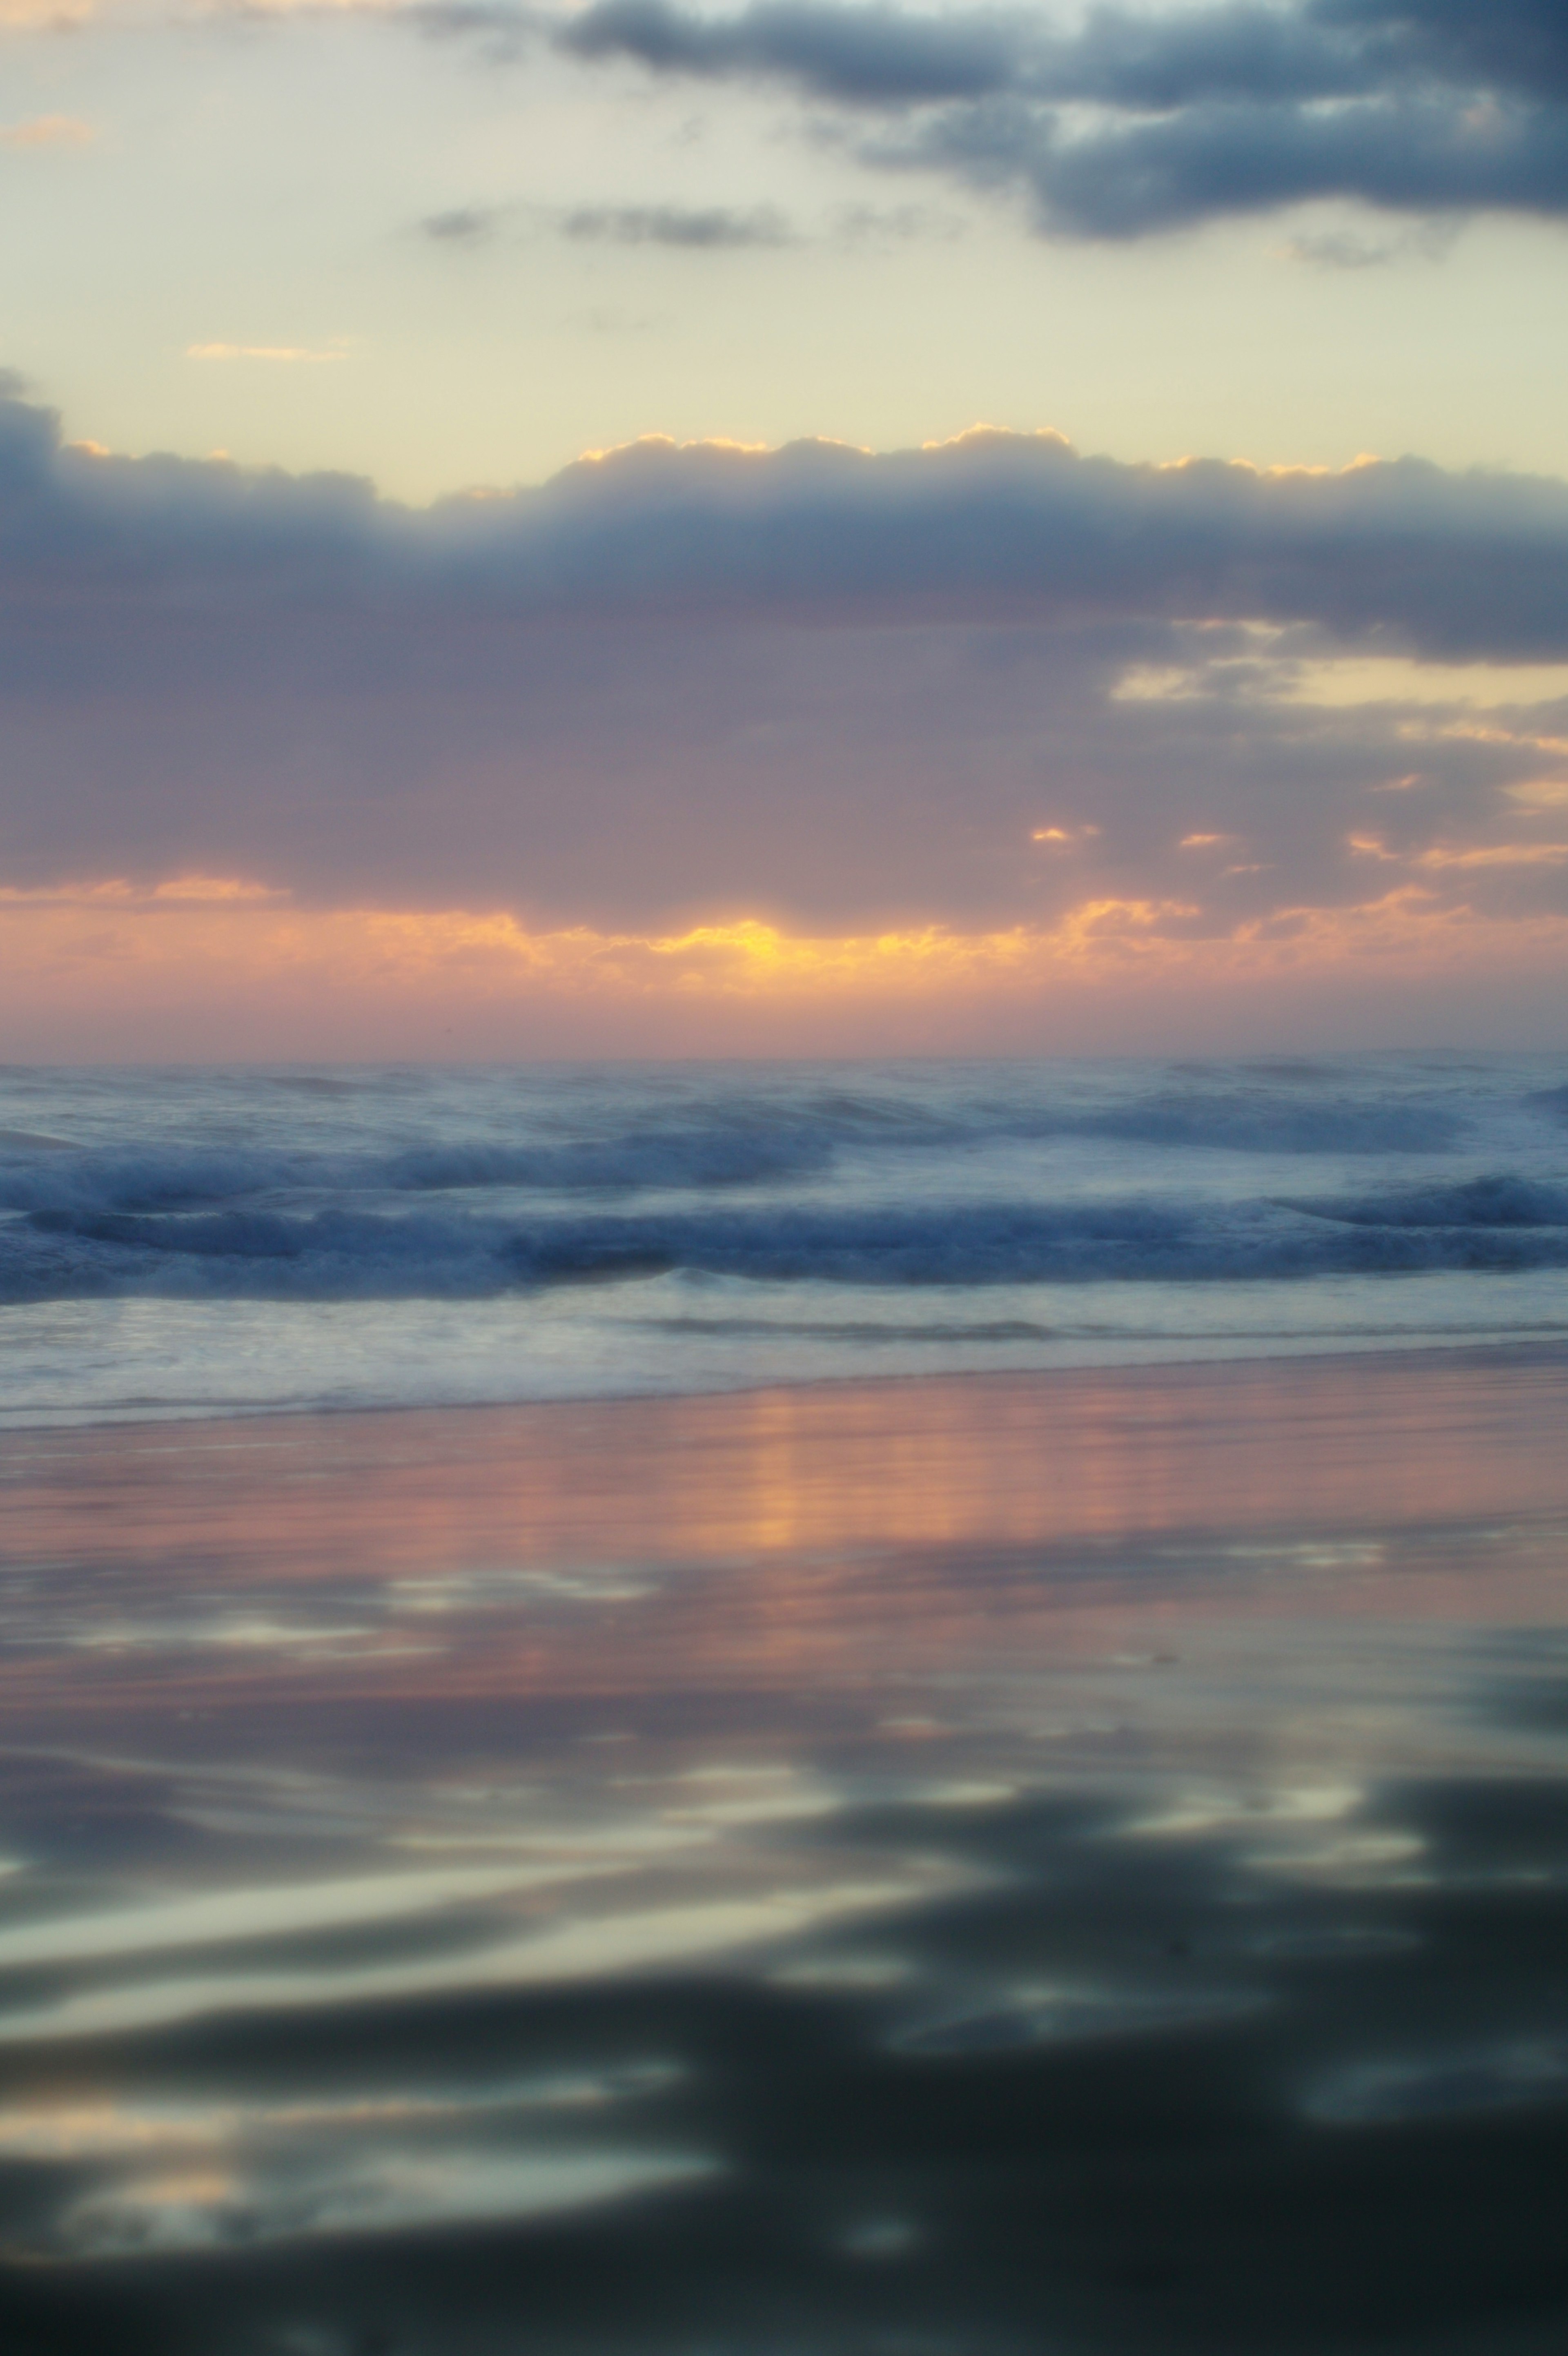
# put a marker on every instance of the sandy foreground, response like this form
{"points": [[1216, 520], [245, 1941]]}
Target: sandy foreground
{"points": [[1071, 1860]]}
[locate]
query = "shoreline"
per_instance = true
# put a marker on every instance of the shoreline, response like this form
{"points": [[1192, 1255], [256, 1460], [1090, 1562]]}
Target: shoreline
{"points": [[1058, 1457], [1331, 1352]]}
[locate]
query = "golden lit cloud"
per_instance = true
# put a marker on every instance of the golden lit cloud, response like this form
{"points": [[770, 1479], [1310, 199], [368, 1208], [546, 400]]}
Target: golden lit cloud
{"points": [[32, 16], [213, 887], [47, 131], [1455, 855], [1377, 679], [115, 890], [36, 15], [1258, 659], [285, 353], [162, 960], [1498, 854], [1472, 732], [1149, 683]]}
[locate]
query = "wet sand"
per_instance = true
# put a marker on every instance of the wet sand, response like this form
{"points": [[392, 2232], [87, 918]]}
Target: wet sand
{"points": [[1077, 1861]]}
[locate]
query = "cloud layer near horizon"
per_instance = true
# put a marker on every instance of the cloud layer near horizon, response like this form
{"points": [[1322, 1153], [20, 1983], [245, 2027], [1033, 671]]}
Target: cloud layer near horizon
{"points": [[990, 688]]}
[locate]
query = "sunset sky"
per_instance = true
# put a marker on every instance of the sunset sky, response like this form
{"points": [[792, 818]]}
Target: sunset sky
{"points": [[807, 528]]}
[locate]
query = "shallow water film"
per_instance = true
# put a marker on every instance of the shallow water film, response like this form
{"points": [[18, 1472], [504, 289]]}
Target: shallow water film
{"points": [[1072, 1862]]}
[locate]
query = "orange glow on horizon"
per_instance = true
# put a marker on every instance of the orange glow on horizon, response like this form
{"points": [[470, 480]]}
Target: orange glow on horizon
{"points": [[183, 949]]}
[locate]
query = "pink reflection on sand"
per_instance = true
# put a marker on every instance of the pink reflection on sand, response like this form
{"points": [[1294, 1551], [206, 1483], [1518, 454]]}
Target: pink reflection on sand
{"points": [[780, 1537]]}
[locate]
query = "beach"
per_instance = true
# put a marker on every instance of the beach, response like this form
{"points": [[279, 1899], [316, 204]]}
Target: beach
{"points": [[1071, 1858], [783, 1179]]}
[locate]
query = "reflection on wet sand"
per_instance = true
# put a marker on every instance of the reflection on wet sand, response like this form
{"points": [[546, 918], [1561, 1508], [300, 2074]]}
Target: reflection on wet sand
{"points": [[973, 1866]]}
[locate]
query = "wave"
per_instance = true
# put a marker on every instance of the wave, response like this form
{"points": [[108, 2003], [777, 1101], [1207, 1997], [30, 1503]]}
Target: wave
{"points": [[734, 1143], [733, 1146], [1246, 1123], [643, 1160], [1500, 1222], [1492, 1202], [1026, 1243]]}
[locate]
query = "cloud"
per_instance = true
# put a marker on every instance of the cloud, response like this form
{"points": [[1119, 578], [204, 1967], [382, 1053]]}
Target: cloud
{"points": [[464, 225], [1135, 122], [117, 891], [1126, 124], [47, 131], [1344, 249], [693, 228], [74, 15], [886, 55], [1211, 160], [154, 976], [1390, 557], [702, 228], [876, 57], [47, 16], [502, 33], [285, 354], [837, 694], [856, 225]]}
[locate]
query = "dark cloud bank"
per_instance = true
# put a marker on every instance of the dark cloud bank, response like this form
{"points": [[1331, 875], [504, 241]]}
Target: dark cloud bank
{"points": [[1392, 556], [812, 681], [1132, 123]]}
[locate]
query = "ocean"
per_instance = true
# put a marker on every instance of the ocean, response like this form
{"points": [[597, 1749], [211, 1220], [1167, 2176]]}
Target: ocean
{"points": [[184, 1241], [761, 1710]]}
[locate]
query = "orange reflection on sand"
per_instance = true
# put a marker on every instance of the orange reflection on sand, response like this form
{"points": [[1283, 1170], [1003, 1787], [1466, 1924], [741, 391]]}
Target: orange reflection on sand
{"points": [[786, 1535], [1309, 1443]]}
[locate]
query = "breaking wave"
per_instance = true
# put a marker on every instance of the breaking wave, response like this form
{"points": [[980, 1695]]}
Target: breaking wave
{"points": [[736, 1141], [1500, 1223], [394, 1185]]}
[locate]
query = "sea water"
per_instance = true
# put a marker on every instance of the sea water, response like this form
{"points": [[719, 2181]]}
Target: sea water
{"points": [[184, 1241]]}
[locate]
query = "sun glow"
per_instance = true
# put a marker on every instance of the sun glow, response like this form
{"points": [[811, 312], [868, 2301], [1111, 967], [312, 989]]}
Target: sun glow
{"points": [[173, 961]]}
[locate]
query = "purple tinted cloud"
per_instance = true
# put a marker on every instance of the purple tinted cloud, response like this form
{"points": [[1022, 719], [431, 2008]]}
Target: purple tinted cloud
{"points": [[814, 684]]}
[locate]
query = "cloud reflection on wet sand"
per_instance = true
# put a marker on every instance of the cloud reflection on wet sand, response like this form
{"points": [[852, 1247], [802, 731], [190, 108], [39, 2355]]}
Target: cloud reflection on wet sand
{"points": [[967, 1866]]}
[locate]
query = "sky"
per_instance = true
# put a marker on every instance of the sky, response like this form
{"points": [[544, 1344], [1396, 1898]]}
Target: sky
{"points": [[809, 527]]}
